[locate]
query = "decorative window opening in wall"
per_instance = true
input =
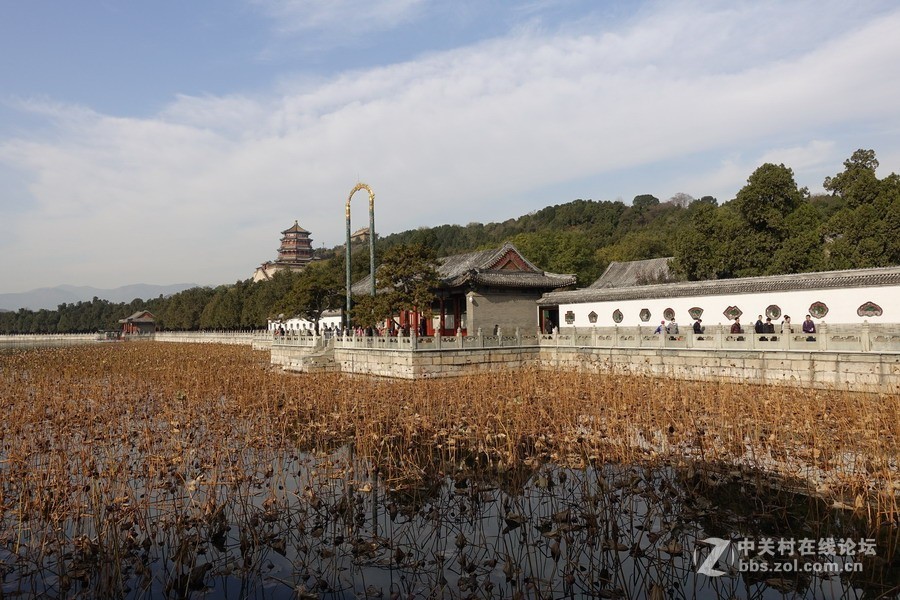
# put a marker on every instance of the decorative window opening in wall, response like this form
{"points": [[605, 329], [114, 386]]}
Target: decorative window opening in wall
{"points": [[618, 316], [669, 314], [773, 311], [570, 317], [592, 317], [818, 309], [695, 312], [869, 309], [645, 314], [732, 313]]}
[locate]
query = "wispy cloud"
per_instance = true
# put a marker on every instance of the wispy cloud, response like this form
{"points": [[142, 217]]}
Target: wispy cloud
{"points": [[351, 17], [199, 191]]}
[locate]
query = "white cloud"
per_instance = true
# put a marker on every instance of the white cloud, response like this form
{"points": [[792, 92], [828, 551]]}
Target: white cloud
{"points": [[200, 191], [811, 163], [348, 16]]}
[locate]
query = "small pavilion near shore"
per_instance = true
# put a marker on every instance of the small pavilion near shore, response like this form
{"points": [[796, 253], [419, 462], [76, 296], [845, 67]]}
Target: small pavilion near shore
{"points": [[140, 323]]}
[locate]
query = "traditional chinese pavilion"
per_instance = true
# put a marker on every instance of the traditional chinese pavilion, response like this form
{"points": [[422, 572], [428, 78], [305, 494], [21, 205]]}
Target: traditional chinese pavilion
{"points": [[295, 253], [140, 323], [487, 290]]}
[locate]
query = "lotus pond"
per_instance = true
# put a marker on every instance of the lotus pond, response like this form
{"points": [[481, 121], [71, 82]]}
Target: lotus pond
{"points": [[146, 470]]}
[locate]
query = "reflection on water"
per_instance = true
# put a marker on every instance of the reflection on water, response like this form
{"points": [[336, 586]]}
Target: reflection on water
{"points": [[329, 526]]}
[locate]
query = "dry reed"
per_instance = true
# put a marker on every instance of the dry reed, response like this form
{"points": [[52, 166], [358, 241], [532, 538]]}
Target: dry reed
{"points": [[109, 450]]}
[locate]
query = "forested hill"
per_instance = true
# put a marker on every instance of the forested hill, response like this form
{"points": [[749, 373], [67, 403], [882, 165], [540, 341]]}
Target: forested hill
{"points": [[770, 227], [581, 236]]}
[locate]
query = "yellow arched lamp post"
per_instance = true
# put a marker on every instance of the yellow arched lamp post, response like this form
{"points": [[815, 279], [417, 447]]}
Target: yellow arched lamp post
{"points": [[361, 186]]}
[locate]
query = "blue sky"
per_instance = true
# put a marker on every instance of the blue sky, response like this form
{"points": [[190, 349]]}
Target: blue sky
{"points": [[171, 141]]}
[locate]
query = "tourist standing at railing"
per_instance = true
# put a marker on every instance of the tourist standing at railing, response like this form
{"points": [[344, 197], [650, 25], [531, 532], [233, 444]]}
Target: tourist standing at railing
{"points": [[808, 325], [808, 328], [698, 328], [759, 326], [767, 327], [661, 328], [736, 326], [672, 327], [786, 325]]}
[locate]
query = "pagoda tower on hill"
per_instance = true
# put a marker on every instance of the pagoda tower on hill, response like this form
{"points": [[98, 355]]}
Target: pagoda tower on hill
{"points": [[295, 253]]}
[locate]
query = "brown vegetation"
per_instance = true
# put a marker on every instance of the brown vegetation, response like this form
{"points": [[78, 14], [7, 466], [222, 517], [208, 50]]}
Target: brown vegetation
{"points": [[110, 448]]}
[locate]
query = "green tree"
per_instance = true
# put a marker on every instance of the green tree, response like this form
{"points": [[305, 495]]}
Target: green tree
{"points": [[697, 246], [801, 248], [857, 184], [319, 287], [370, 311], [863, 232], [769, 196], [406, 280], [567, 251], [644, 201], [636, 245]]}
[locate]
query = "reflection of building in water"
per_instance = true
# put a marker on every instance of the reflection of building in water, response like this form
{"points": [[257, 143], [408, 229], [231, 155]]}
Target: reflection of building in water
{"points": [[295, 253]]}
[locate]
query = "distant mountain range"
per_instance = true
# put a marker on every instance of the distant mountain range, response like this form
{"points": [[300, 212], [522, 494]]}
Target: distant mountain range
{"points": [[51, 298]]}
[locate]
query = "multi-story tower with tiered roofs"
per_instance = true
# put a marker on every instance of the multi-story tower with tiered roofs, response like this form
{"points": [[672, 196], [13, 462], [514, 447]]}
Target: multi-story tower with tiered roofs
{"points": [[295, 253]]}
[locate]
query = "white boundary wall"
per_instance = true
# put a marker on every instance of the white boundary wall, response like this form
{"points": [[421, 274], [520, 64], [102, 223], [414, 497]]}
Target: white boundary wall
{"points": [[842, 306]]}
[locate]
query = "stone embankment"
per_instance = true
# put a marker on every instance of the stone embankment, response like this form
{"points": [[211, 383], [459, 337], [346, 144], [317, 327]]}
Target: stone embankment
{"points": [[869, 363], [249, 337], [751, 361]]}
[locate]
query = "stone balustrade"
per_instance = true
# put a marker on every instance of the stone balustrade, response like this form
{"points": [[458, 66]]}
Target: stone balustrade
{"points": [[841, 338], [46, 339], [863, 357], [246, 337]]}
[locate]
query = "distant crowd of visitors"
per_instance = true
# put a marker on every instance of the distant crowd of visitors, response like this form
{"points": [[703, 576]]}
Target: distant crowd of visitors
{"points": [[306, 331], [328, 331], [763, 328]]}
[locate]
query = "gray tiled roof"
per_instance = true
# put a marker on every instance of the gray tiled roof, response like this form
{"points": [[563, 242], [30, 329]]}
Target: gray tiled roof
{"points": [[633, 272], [746, 285], [139, 317], [521, 279], [477, 268], [295, 228]]}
